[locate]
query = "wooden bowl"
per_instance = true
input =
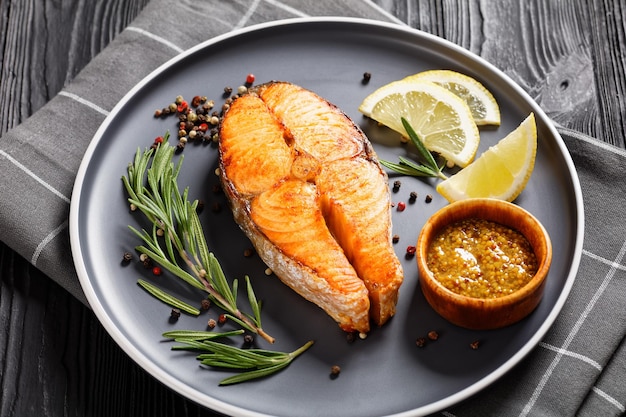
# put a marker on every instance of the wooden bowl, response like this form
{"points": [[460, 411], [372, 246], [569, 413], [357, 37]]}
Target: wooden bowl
{"points": [[485, 313]]}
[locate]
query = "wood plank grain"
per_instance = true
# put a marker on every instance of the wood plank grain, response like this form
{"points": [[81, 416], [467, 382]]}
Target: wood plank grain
{"points": [[46, 43]]}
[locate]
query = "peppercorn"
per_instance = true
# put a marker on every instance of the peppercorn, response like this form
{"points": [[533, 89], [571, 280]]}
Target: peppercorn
{"points": [[429, 198], [410, 250], [475, 344], [420, 342], [396, 186], [401, 206], [248, 252], [335, 370], [350, 337], [395, 238], [212, 323], [250, 79], [248, 339], [227, 91], [205, 304], [221, 319], [433, 335], [126, 258], [367, 76], [183, 107], [158, 113], [195, 101], [412, 197], [157, 271], [175, 313]]}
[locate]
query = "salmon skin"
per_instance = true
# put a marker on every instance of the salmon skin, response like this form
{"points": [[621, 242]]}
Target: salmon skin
{"points": [[305, 186]]}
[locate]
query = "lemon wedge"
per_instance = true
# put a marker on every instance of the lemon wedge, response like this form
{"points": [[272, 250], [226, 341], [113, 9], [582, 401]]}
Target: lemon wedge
{"points": [[442, 120], [482, 103], [501, 172]]}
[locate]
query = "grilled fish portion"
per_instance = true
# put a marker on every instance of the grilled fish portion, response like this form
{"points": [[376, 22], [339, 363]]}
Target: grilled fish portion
{"points": [[306, 188]]}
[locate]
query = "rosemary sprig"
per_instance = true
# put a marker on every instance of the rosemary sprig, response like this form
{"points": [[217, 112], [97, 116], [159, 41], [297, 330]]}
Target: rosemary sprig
{"points": [[177, 241], [428, 168], [167, 298], [256, 363]]}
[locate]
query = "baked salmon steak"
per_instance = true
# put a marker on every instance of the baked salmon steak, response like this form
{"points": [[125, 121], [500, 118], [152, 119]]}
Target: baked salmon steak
{"points": [[305, 186]]}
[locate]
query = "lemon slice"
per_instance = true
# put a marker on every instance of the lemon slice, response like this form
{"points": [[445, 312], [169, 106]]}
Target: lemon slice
{"points": [[481, 102], [441, 119], [501, 172]]}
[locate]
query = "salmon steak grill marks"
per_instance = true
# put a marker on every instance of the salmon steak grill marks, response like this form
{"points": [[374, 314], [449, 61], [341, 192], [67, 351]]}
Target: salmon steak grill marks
{"points": [[305, 186]]}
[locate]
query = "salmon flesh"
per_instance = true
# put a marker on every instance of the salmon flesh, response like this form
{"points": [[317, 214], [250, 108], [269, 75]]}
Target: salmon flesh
{"points": [[305, 186]]}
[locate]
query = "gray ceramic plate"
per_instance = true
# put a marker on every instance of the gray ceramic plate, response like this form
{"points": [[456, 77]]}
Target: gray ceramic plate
{"points": [[386, 373]]}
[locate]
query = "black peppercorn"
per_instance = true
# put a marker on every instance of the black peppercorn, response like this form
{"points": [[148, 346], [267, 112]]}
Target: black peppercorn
{"points": [[126, 258]]}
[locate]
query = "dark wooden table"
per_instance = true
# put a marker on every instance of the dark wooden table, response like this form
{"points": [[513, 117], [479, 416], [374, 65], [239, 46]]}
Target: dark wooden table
{"points": [[55, 357]]}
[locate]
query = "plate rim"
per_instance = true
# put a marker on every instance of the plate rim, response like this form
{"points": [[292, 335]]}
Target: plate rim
{"points": [[206, 400]]}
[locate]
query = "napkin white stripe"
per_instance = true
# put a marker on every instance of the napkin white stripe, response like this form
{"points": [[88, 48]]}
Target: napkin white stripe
{"points": [[286, 8], [156, 38], [570, 337], [386, 13], [242, 22], [84, 102], [620, 407], [604, 260], [47, 240], [571, 354], [34, 176]]}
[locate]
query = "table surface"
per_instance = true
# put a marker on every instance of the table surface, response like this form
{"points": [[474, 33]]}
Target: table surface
{"points": [[55, 357]]}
